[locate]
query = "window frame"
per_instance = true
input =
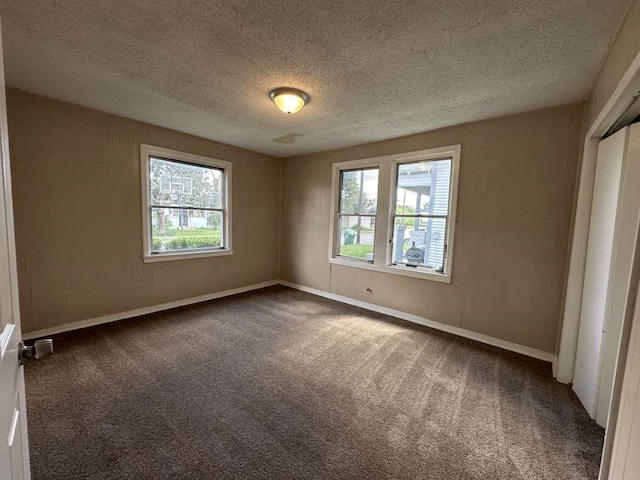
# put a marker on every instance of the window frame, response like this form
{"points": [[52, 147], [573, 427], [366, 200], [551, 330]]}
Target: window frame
{"points": [[148, 151], [334, 229], [339, 214], [387, 191]]}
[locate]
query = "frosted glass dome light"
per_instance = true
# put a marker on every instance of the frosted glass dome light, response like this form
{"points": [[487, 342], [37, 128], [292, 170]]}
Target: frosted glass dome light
{"points": [[289, 100]]}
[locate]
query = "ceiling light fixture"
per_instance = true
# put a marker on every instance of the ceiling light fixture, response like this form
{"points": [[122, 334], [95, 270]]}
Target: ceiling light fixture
{"points": [[289, 100]]}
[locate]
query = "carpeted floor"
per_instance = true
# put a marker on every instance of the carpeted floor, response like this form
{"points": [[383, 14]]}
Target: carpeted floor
{"points": [[280, 384]]}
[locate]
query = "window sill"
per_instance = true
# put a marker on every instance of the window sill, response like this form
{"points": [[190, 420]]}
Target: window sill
{"points": [[168, 257], [393, 270]]}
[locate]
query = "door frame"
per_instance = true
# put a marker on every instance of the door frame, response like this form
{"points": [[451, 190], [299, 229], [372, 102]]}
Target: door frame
{"points": [[628, 86]]}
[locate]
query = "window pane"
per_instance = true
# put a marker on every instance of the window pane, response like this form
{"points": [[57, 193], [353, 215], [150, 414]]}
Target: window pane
{"points": [[356, 237], [423, 187], [181, 185], [359, 191], [177, 229], [419, 241]]}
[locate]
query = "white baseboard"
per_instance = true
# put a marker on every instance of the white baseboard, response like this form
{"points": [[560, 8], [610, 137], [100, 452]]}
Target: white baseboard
{"points": [[496, 342], [143, 311], [479, 337]]}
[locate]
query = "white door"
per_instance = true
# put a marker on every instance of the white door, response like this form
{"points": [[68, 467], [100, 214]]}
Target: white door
{"points": [[14, 454], [624, 460], [610, 252], [620, 460]]}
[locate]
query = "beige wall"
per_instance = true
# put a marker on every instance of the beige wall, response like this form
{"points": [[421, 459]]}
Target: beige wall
{"points": [[76, 186], [77, 181], [622, 52], [516, 191]]}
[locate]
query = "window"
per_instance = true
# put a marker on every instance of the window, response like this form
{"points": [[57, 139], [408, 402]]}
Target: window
{"points": [[357, 213], [185, 201], [420, 215], [403, 225]]}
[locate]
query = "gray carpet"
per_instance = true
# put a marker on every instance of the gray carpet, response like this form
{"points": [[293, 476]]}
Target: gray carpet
{"points": [[280, 384]]}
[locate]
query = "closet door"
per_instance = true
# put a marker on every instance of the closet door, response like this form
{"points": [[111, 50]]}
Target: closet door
{"points": [[611, 249]]}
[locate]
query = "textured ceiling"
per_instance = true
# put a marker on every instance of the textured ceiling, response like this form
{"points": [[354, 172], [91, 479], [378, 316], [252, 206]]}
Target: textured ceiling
{"points": [[374, 69]]}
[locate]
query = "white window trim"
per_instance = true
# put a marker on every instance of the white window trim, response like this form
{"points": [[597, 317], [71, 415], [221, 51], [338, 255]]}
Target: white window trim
{"points": [[386, 197], [147, 151]]}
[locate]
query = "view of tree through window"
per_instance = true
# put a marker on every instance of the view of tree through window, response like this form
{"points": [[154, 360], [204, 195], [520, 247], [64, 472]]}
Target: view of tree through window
{"points": [[357, 215], [187, 211]]}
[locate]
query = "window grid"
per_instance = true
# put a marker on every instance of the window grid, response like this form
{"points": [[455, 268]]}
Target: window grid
{"points": [[417, 262], [435, 218], [187, 210], [357, 214]]}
